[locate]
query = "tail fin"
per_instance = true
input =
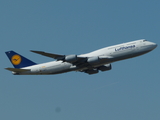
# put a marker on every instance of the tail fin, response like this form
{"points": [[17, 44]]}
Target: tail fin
{"points": [[18, 61]]}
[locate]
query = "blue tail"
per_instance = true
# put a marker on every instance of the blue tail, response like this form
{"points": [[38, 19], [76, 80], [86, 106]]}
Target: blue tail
{"points": [[18, 61]]}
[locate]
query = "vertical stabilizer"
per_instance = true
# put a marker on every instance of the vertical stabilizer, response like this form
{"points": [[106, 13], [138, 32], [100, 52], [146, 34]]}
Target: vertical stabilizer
{"points": [[18, 61]]}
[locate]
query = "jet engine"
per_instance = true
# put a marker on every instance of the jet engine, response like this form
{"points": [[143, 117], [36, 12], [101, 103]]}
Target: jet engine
{"points": [[93, 60], [91, 71], [105, 67], [71, 58]]}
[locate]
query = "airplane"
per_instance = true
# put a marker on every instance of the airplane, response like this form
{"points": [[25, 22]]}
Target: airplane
{"points": [[90, 63]]}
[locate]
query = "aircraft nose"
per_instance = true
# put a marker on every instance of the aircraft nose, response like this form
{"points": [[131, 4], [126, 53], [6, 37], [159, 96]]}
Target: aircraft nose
{"points": [[154, 45]]}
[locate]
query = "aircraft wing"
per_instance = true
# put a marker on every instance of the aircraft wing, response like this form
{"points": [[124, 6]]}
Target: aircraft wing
{"points": [[55, 56], [73, 59], [17, 69]]}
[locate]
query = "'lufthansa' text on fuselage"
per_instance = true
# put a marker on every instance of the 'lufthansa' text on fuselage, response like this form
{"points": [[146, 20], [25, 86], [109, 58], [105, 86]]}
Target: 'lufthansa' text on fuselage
{"points": [[124, 48]]}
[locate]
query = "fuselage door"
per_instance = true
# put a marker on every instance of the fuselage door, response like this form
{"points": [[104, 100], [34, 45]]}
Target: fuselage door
{"points": [[42, 69]]}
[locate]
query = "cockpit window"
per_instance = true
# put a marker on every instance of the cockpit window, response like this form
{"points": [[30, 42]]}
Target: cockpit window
{"points": [[144, 40]]}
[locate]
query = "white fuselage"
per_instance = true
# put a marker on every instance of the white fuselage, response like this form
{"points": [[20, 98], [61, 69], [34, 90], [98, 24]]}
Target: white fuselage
{"points": [[113, 53]]}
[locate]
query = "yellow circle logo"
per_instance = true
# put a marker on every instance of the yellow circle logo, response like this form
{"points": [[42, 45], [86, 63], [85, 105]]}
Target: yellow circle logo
{"points": [[16, 59]]}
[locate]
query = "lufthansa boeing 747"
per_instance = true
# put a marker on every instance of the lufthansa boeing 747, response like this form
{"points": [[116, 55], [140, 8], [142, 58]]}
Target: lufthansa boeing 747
{"points": [[91, 63]]}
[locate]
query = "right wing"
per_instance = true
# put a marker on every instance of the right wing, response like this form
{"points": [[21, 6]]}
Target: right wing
{"points": [[78, 60], [74, 59], [55, 56]]}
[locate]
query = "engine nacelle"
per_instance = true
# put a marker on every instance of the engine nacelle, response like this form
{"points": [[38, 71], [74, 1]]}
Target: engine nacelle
{"points": [[91, 71], [93, 60], [71, 58], [105, 67]]}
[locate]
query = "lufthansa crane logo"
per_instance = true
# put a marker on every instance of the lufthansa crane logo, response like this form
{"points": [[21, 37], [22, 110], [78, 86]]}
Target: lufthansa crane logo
{"points": [[16, 59]]}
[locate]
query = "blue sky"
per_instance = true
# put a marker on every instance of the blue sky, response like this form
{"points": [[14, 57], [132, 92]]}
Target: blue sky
{"points": [[129, 91]]}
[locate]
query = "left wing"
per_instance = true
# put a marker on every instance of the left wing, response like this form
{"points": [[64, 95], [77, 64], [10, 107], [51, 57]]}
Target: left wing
{"points": [[95, 70]]}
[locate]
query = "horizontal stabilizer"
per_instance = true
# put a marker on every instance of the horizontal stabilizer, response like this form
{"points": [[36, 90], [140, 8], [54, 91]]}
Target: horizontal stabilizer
{"points": [[17, 69]]}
